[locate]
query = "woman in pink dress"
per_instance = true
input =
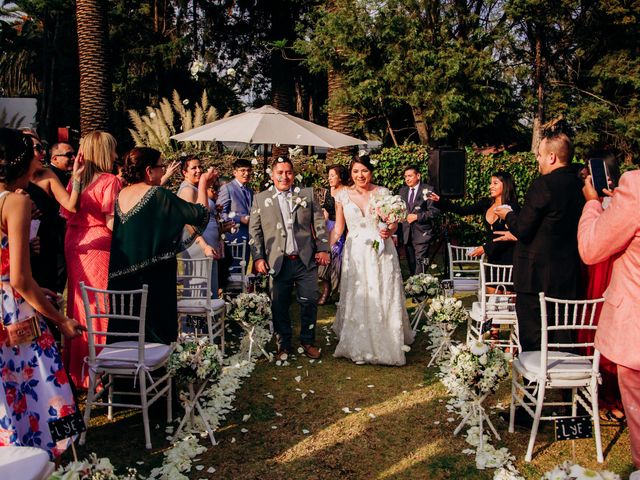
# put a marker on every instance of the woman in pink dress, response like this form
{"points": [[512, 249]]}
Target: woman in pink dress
{"points": [[88, 241]]}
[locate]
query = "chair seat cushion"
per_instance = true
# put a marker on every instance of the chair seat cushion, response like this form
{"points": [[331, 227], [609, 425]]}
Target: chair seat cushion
{"points": [[570, 367], [125, 354], [462, 284], [26, 463], [199, 305]]}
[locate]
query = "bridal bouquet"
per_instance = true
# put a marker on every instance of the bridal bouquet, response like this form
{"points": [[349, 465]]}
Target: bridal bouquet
{"points": [[571, 471], [388, 209], [447, 312], [475, 368], [251, 309], [93, 468], [194, 358], [422, 285]]}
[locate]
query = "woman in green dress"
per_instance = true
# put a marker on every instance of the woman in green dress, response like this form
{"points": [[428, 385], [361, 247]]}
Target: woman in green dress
{"points": [[147, 235]]}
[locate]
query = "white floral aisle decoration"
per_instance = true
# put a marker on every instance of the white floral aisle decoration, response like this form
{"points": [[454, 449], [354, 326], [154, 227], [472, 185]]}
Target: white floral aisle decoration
{"points": [[573, 471], [253, 312], [445, 313], [216, 401], [421, 288], [92, 468], [388, 209], [474, 371], [194, 364]]}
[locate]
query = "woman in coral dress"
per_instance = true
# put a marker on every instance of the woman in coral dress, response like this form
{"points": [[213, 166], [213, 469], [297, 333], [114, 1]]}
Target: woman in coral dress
{"points": [[87, 242], [34, 387]]}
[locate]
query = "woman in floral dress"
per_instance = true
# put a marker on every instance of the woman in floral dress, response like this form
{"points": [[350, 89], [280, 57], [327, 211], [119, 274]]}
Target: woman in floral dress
{"points": [[34, 388]]}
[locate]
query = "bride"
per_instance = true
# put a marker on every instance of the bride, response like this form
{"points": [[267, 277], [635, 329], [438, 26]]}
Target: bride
{"points": [[371, 322]]}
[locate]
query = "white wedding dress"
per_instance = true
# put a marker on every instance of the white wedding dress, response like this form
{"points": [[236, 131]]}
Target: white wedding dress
{"points": [[372, 323]]}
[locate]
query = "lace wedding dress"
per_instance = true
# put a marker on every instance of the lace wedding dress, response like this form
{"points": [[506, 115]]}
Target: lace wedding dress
{"points": [[371, 322]]}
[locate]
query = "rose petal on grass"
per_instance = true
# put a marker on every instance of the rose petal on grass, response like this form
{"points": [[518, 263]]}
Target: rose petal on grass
{"points": [[139, 462], [199, 467], [298, 378], [244, 430], [371, 415], [278, 414], [357, 409], [211, 470], [273, 427], [436, 422], [305, 431], [406, 348], [233, 439], [246, 417], [370, 386], [346, 410], [304, 395], [312, 391]]}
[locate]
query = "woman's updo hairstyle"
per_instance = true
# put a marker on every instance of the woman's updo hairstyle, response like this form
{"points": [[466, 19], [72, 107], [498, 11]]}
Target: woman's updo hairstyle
{"points": [[184, 161], [16, 153], [136, 162]]}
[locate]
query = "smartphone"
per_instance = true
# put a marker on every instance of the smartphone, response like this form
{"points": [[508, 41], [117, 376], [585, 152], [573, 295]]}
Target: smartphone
{"points": [[599, 175]]}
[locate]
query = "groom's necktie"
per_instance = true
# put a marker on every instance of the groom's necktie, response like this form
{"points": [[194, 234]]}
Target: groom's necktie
{"points": [[412, 197]]}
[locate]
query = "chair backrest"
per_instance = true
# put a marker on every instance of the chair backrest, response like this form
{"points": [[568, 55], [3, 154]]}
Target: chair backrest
{"points": [[238, 252], [497, 298], [122, 305], [561, 321], [461, 265], [194, 277]]}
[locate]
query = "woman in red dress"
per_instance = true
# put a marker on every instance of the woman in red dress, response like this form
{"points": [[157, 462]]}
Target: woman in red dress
{"points": [[88, 241]]}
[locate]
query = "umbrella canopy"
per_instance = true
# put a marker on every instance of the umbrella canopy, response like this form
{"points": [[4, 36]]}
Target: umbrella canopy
{"points": [[268, 125]]}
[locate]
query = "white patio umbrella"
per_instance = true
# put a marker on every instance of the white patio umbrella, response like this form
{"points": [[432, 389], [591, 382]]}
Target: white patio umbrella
{"points": [[268, 125]]}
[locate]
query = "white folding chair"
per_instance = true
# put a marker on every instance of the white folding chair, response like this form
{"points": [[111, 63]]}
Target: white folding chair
{"points": [[560, 364], [496, 306], [135, 358], [194, 297], [237, 271], [464, 271]]}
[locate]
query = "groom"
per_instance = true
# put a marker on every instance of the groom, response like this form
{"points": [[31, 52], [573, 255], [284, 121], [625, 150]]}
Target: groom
{"points": [[289, 241]]}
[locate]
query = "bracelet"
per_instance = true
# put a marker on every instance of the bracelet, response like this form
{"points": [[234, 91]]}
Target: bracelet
{"points": [[76, 185]]}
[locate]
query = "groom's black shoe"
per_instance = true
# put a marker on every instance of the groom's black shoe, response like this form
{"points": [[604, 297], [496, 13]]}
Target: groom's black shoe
{"points": [[311, 351]]}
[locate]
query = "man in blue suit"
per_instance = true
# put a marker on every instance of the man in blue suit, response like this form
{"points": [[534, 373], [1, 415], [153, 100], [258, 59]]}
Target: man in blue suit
{"points": [[236, 198]]}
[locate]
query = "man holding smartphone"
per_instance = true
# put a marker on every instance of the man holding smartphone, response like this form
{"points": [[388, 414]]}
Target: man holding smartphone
{"points": [[546, 255]]}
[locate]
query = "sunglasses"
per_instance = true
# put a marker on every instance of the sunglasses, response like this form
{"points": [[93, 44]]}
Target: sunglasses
{"points": [[69, 155]]}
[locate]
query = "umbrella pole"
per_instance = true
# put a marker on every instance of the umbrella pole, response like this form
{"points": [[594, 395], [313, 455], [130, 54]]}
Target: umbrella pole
{"points": [[265, 163]]}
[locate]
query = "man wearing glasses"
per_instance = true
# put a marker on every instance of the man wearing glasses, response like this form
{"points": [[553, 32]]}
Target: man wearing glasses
{"points": [[62, 157]]}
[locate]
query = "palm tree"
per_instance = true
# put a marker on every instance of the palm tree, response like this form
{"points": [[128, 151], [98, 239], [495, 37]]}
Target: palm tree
{"points": [[95, 82]]}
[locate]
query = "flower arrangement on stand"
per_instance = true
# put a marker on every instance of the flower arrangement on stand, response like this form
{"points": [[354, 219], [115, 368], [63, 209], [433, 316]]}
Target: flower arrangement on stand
{"points": [[573, 471], [253, 312], [421, 288], [474, 372], [194, 363], [445, 314], [388, 209], [93, 468]]}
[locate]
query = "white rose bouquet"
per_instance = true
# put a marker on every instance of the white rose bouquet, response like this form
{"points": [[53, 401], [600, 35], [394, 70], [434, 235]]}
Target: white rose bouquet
{"points": [[251, 309], [194, 358], [93, 468], [475, 368], [422, 285], [388, 209], [571, 471], [447, 312]]}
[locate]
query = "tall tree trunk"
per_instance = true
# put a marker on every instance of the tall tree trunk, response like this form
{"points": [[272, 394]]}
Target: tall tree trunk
{"points": [[421, 126], [538, 119], [95, 81], [340, 118]]}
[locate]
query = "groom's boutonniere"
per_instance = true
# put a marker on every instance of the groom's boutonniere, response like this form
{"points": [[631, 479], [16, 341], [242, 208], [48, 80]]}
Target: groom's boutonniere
{"points": [[298, 201]]}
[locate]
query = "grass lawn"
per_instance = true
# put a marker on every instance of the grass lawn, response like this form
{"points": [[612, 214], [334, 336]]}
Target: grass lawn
{"points": [[399, 427]]}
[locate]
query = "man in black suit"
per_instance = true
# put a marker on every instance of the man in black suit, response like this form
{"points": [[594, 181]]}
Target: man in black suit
{"points": [[418, 230], [546, 256]]}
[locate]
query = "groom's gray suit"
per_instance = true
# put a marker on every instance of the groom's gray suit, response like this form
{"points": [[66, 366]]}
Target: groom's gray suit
{"points": [[268, 232]]}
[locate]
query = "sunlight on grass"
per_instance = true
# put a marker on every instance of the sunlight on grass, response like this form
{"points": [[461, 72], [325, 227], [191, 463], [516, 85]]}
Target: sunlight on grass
{"points": [[415, 458], [353, 424]]}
